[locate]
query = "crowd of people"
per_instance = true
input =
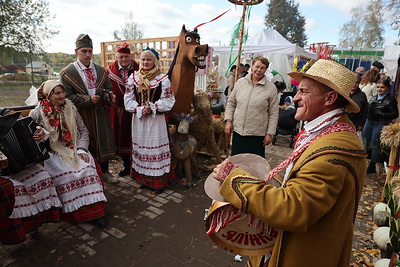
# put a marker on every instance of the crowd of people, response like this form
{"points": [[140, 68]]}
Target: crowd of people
{"points": [[92, 114], [322, 179], [88, 117]]}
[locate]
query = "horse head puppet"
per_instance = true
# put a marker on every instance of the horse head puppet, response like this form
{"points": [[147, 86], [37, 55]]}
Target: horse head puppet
{"points": [[189, 56]]}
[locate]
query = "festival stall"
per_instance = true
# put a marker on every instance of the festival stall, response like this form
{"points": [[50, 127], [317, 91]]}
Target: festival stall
{"points": [[268, 43]]}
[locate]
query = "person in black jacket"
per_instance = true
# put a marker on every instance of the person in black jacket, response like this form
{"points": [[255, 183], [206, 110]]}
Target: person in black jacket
{"points": [[382, 109], [358, 96]]}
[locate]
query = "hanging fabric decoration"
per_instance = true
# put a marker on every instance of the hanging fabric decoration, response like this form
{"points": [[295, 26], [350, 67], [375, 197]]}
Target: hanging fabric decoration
{"points": [[236, 36]]}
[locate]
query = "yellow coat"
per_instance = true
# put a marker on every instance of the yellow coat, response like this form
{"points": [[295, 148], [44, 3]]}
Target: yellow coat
{"points": [[315, 210]]}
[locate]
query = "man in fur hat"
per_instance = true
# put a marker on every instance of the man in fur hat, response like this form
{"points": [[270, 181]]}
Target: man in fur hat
{"points": [[378, 66], [118, 73], [315, 207], [88, 87]]}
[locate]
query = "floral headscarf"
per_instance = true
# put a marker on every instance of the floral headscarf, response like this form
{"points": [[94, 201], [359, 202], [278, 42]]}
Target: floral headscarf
{"points": [[60, 122]]}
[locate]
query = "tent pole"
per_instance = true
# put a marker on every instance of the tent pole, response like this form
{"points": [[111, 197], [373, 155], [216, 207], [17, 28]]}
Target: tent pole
{"points": [[240, 41]]}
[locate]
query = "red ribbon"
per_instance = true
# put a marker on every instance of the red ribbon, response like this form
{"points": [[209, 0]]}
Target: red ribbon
{"points": [[201, 24], [394, 167]]}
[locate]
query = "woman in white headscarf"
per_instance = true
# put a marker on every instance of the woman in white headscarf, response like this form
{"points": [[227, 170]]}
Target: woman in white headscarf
{"points": [[71, 166]]}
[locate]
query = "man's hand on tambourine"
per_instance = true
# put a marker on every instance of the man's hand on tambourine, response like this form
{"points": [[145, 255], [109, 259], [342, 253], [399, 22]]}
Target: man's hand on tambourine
{"points": [[221, 171]]}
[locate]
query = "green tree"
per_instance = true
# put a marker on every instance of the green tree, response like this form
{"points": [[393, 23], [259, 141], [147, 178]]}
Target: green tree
{"points": [[130, 31], [24, 24], [365, 29], [284, 17]]}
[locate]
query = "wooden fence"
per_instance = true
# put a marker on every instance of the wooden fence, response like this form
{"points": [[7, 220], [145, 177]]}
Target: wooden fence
{"points": [[165, 46]]}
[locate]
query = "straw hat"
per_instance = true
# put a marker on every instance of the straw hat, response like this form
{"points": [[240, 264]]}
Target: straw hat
{"points": [[335, 76]]}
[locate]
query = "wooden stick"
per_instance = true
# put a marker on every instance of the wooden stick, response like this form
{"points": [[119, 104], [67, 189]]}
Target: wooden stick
{"points": [[392, 162], [240, 41]]}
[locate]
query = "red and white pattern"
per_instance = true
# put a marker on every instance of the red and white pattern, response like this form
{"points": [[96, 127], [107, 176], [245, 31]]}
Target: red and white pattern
{"points": [[227, 169], [124, 75], [151, 155], [90, 78], [329, 125], [168, 93], [34, 192], [76, 187]]}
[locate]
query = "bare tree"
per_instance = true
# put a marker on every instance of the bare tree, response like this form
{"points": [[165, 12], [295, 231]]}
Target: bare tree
{"points": [[394, 7], [365, 29], [131, 30]]}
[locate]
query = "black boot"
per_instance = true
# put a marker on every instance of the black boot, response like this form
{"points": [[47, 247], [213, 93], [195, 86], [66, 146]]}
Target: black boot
{"points": [[371, 167], [127, 167], [101, 222]]}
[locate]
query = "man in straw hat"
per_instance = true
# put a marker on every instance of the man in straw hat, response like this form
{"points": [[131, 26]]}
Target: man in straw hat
{"points": [[118, 73], [316, 205], [88, 87]]}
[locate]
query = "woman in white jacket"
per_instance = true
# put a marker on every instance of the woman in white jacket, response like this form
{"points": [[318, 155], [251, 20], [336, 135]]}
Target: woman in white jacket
{"points": [[252, 111]]}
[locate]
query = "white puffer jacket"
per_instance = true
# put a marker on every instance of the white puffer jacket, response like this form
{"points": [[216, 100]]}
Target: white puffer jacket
{"points": [[254, 110]]}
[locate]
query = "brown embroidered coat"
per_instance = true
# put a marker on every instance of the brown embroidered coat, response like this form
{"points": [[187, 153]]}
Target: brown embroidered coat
{"points": [[315, 210]]}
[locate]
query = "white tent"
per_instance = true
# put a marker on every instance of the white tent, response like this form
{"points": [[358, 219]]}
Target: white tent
{"points": [[390, 56], [390, 61], [268, 43]]}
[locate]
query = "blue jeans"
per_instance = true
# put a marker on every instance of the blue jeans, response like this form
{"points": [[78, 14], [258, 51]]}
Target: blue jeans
{"points": [[371, 134]]}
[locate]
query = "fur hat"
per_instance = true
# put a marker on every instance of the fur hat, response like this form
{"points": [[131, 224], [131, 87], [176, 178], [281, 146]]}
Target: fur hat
{"points": [[83, 40], [378, 65], [335, 76], [124, 48]]}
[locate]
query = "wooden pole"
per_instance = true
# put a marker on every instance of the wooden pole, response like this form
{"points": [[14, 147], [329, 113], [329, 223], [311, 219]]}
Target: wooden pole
{"points": [[240, 41], [393, 160]]}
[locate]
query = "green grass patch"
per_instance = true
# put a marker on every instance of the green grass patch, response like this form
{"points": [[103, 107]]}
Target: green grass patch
{"points": [[14, 95]]}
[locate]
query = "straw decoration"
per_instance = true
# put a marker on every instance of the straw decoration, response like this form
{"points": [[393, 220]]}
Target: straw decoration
{"points": [[390, 135]]}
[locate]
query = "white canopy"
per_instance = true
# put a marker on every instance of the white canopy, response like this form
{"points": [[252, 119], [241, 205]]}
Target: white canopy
{"points": [[267, 41], [390, 56], [270, 44]]}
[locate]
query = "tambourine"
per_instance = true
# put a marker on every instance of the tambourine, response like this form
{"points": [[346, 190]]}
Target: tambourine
{"points": [[238, 236], [245, 234]]}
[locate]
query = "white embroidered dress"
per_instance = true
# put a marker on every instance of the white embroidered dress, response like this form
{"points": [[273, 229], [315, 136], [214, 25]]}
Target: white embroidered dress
{"points": [[79, 185], [34, 192], [151, 154]]}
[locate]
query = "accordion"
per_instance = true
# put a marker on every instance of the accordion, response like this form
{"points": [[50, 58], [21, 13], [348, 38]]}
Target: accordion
{"points": [[18, 145]]}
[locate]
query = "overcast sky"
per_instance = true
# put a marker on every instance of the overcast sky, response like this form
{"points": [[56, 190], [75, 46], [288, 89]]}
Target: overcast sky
{"points": [[100, 18]]}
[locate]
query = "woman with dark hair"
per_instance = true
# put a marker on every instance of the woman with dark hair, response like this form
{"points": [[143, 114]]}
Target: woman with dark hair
{"points": [[252, 111], [382, 110], [149, 97]]}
